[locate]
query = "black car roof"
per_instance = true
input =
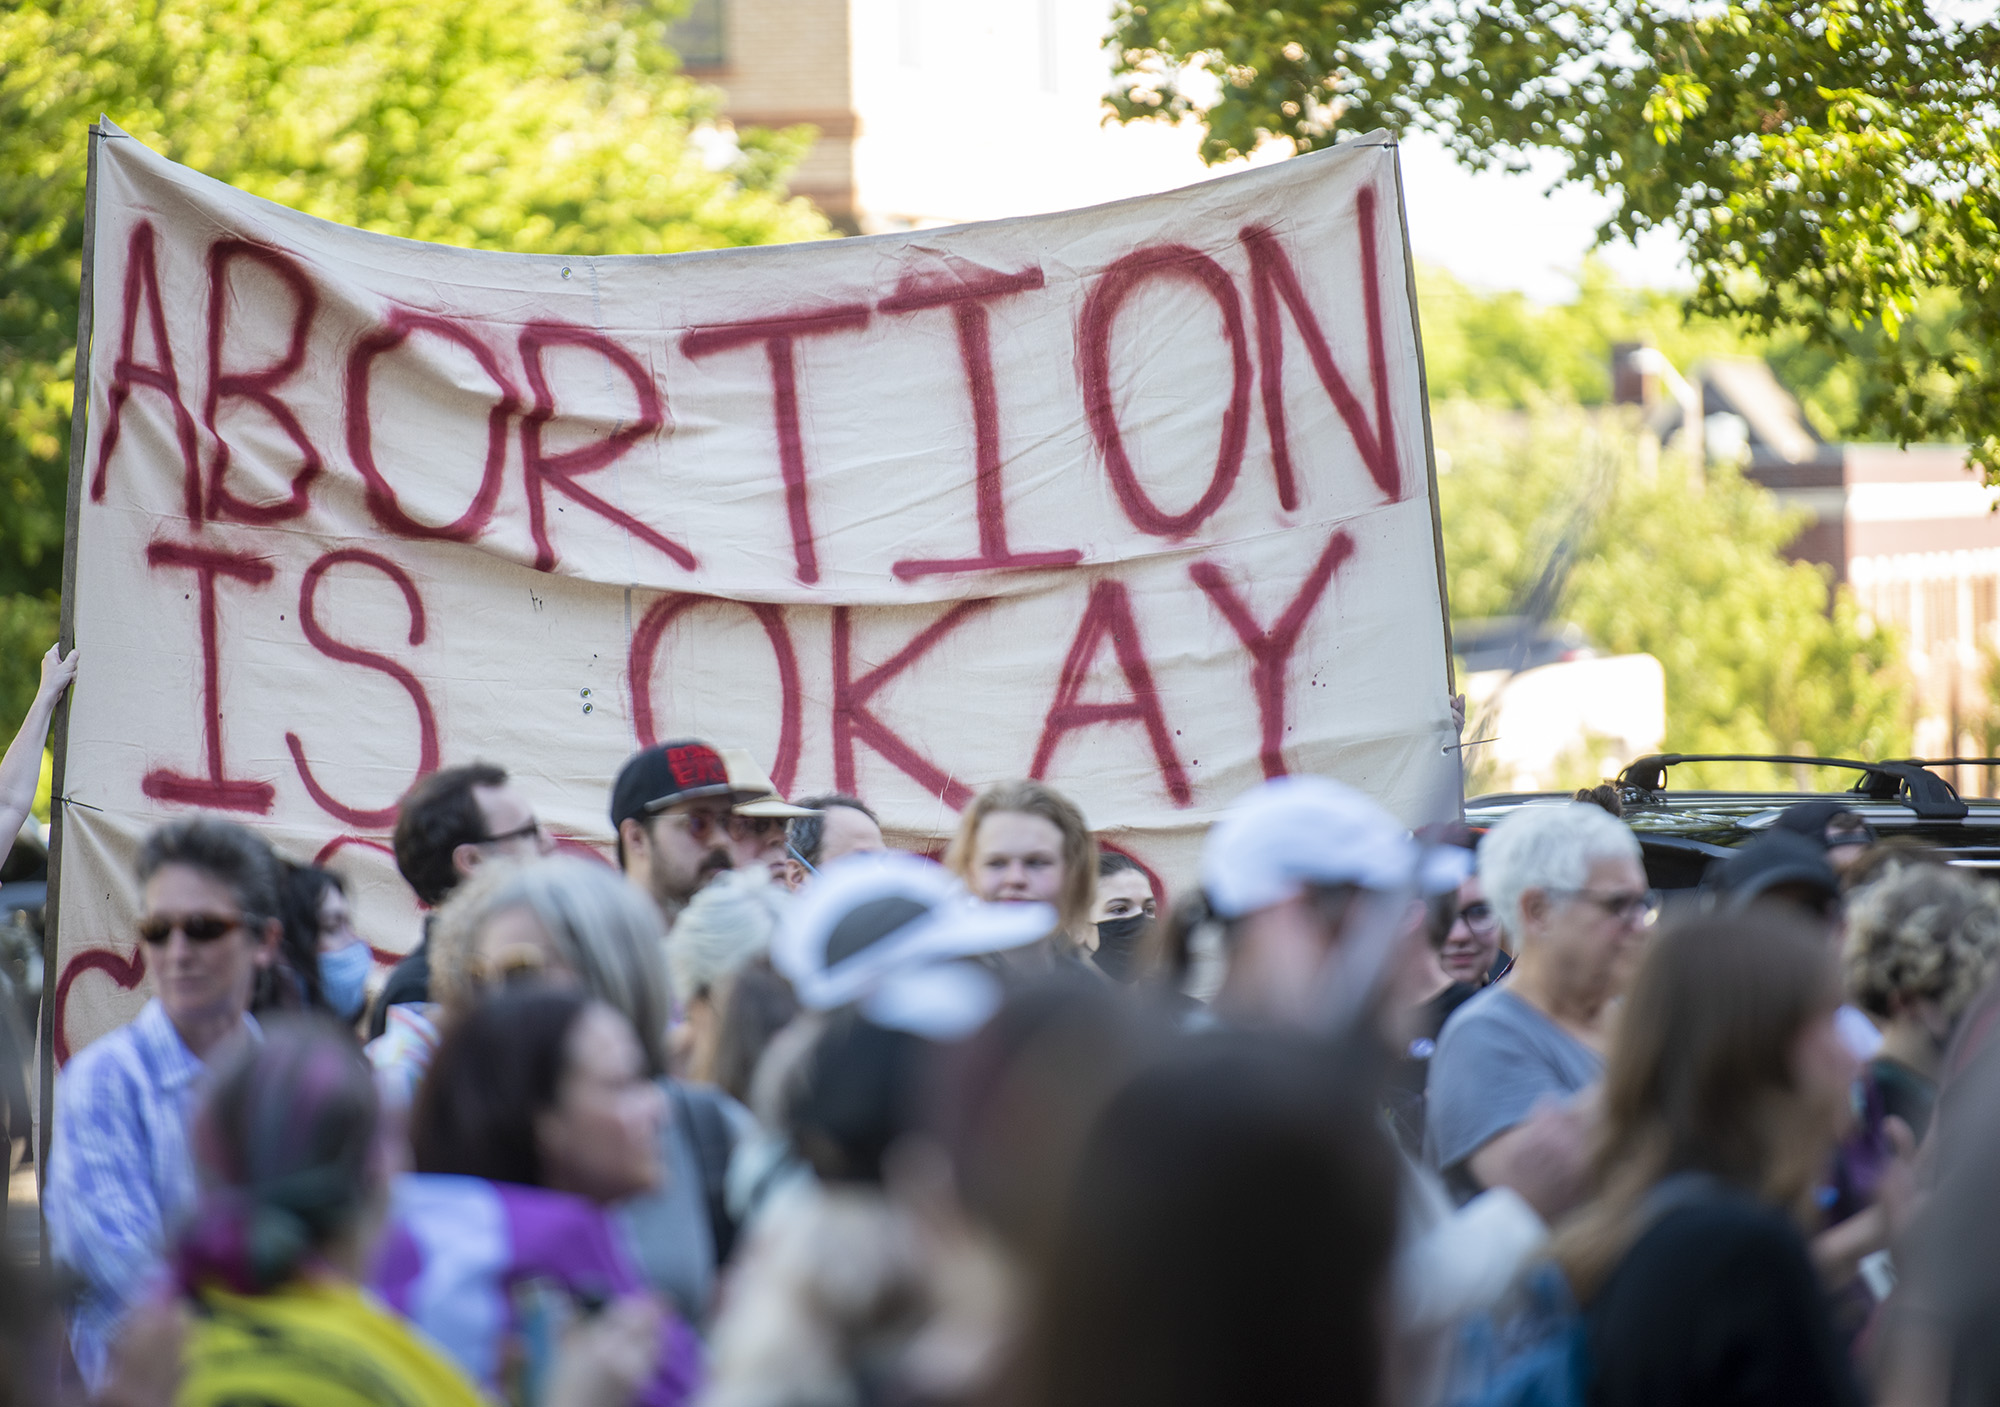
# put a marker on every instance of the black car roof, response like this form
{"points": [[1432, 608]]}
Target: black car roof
{"points": [[1682, 831]]}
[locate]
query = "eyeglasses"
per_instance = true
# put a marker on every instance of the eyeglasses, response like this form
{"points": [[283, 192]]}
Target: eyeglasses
{"points": [[704, 826], [532, 828], [1639, 910], [199, 928], [1479, 916]]}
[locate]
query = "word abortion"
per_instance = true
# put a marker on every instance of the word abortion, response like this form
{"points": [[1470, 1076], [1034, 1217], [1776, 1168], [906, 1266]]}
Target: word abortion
{"points": [[526, 415]]}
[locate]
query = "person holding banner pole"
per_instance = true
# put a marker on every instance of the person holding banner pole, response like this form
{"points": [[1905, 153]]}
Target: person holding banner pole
{"points": [[21, 768]]}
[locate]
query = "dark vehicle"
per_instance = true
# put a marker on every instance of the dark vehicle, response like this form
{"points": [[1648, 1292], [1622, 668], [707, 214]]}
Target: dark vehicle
{"points": [[1683, 832]]}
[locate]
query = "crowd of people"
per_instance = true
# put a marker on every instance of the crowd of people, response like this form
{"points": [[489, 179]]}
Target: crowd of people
{"points": [[772, 1115]]}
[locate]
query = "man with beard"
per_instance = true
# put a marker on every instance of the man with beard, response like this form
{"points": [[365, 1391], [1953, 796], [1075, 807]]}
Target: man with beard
{"points": [[671, 807]]}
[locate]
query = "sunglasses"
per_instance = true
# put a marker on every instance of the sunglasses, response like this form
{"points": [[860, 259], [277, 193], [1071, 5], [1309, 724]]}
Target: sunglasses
{"points": [[522, 832], [199, 928], [516, 965], [704, 826]]}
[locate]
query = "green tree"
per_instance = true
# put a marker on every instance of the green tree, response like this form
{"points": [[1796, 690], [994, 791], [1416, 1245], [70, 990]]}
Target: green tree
{"points": [[1831, 164], [554, 126], [1502, 348], [1760, 654], [1505, 349]]}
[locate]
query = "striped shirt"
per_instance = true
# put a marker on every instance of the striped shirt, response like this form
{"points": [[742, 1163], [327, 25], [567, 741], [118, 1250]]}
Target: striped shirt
{"points": [[120, 1177]]}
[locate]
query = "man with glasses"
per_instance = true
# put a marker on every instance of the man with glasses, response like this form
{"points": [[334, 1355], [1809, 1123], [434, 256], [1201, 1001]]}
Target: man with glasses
{"points": [[673, 808], [1569, 886], [759, 829], [447, 825], [836, 825], [120, 1176]]}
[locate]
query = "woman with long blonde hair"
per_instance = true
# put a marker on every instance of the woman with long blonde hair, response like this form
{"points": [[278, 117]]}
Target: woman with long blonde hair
{"points": [[1726, 1085], [1025, 842]]}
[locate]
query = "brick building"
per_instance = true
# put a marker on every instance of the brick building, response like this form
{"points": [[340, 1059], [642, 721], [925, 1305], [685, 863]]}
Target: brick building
{"points": [[1912, 531], [934, 112]]}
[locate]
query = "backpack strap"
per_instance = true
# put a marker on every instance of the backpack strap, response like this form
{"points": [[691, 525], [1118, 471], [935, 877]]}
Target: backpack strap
{"points": [[713, 1139]]}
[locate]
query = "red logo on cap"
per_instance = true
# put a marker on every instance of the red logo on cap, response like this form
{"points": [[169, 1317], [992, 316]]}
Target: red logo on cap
{"points": [[697, 767]]}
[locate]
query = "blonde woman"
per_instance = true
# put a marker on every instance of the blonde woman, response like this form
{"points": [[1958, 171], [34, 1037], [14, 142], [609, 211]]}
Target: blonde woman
{"points": [[1025, 842]]}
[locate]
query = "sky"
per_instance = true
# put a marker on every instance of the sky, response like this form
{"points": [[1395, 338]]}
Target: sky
{"points": [[1523, 237]]}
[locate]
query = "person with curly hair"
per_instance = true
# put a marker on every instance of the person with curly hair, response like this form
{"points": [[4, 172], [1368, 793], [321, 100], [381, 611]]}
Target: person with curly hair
{"points": [[1922, 942]]}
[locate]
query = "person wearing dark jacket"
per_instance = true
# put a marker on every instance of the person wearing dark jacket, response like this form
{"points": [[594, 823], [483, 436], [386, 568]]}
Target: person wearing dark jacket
{"points": [[1725, 1088], [446, 826]]}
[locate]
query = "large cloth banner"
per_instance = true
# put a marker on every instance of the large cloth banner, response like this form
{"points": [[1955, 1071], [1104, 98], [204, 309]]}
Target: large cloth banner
{"points": [[1135, 499]]}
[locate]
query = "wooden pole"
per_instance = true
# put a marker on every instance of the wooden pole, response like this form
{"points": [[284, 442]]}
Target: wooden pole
{"points": [[1430, 462], [79, 433]]}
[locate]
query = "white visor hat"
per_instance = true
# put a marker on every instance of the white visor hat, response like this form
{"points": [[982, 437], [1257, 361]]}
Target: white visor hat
{"points": [[867, 917], [1297, 831]]}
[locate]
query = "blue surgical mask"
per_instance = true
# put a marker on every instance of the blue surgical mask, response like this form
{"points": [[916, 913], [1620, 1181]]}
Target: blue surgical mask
{"points": [[343, 978]]}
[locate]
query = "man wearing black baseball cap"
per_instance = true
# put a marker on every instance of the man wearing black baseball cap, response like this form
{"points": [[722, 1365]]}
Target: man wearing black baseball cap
{"points": [[671, 808], [1780, 866], [1843, 833]]}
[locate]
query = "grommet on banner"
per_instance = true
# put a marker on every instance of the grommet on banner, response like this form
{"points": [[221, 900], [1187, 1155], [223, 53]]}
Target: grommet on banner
{"points": [[565, 272]]}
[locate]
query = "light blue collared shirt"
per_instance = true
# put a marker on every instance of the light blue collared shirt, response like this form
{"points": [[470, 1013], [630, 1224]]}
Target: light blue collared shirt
{"points": [[120, 1178]]}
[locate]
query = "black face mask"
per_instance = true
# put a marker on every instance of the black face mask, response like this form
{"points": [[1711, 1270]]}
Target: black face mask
{"points": [[1117, 941]]}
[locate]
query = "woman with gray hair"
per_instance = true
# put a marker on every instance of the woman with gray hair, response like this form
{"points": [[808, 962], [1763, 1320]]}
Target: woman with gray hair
{"points": [[569, 922], [1569, 886], [559, 919]]}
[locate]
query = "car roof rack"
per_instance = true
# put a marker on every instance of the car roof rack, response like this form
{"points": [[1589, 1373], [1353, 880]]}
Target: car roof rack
{"points": [[1926, 793]]}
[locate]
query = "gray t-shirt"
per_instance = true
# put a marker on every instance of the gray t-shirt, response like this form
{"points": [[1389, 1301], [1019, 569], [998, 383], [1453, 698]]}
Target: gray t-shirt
{"points": [[668, 1228], [1497, 1057]]}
